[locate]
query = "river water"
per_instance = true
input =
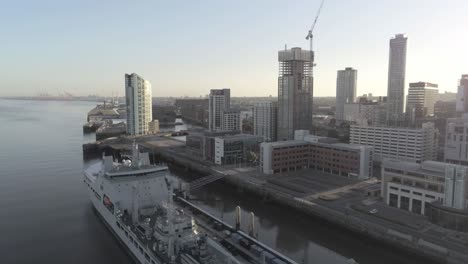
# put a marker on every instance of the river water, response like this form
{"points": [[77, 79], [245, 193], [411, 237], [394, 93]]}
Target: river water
{"points": [[45, 215]]}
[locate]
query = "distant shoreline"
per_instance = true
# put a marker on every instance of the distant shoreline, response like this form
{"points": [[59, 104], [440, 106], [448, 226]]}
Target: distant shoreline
{"points": [[65, 99]]}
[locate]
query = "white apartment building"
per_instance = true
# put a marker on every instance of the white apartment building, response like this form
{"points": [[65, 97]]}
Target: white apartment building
{"points": [[412, 186], [138, 97], [346, 83], [265, 115], [456, 141], [410, 144], [220, 100]]}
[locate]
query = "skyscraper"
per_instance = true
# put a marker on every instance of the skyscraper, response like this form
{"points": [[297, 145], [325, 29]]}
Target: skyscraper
{"points": [[265, 115], [462, 96], [295, 92], [346, 83], [139, 104], [396, 79], [220, 100]]}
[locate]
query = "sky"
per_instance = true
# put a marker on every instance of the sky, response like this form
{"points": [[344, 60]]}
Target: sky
{"points": [[186, 48]]}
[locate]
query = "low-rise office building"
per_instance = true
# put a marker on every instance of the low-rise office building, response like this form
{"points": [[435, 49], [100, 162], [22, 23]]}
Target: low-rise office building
{"points": [[236, 149], [202, 144], [414, 186], [318, 153], [413, 144]]}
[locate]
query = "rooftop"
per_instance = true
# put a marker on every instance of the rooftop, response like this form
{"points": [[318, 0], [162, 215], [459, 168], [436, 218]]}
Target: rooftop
{"points": [[432, 168]]}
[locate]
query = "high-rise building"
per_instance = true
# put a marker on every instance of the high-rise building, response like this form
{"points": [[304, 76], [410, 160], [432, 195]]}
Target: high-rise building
{"points": [[295, 91], [265, 115], [462, 96], [139, 104], [420, 101], [396, 79], [346, 83], [220, 100]]}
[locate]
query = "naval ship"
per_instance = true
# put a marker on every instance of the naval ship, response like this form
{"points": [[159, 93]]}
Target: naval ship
{"points": [[135, 201]]}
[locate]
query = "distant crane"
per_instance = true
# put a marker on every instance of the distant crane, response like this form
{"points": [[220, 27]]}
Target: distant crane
{"points": [[310, 36]]}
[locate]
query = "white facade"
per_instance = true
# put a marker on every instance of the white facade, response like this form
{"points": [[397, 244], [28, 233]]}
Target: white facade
{"points": [[265, 115], [396, 79], [411, 186], [138, 96], [346, 83], [219, 101], [410, 144], [421, 99], [456, 141]]}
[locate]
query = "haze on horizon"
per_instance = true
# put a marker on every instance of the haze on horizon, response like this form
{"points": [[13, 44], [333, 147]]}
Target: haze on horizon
{"points": [[185, 48]]}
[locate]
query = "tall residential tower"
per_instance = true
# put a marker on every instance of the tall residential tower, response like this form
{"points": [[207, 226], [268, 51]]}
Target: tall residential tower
{"points": [[139, 104], [396, 79], [220, 100], [346, 83], [295, 92]]}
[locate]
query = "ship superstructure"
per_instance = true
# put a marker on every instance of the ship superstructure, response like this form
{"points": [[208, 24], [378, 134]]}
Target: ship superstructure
{"points": [[134, 198]]}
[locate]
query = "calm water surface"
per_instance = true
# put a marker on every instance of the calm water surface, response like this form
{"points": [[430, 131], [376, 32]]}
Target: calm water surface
{"points": [[45, 215]]}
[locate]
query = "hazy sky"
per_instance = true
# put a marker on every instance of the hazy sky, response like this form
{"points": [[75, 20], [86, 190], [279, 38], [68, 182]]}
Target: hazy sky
{"points": [[188, 47]]}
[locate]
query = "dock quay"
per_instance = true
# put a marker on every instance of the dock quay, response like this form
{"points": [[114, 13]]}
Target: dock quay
{"points": [[349, 208], [253, 250]]}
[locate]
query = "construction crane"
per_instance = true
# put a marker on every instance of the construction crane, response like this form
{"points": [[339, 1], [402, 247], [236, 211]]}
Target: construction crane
{"points": [[310, 36]]}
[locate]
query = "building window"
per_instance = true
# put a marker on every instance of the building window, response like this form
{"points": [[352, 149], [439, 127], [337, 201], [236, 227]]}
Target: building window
{"points": [[404, 203], [416, 206], [393, 200]]}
